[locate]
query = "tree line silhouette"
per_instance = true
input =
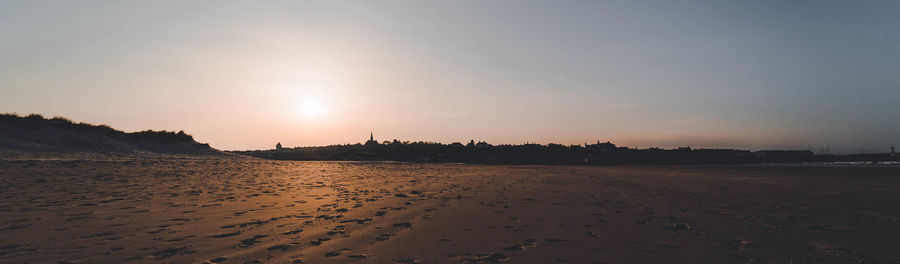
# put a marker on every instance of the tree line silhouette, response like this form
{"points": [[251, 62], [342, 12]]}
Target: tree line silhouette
{"points": [[601, 153]]}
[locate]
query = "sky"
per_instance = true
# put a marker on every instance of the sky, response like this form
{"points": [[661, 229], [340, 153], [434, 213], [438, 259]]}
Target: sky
{"points": [[247, 74]]}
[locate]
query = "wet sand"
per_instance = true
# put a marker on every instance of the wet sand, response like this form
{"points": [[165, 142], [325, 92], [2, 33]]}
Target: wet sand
{"points": [[177, 209]]}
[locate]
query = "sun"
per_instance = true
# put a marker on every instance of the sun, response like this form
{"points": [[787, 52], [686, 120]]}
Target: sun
{"points": [[312, 108]]}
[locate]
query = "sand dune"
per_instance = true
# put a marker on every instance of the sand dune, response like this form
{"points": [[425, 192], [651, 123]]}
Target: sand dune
{"points": [[230, 209], [37, 134]]}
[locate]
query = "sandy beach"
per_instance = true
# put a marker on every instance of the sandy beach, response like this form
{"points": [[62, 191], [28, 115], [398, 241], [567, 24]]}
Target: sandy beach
{"points": [[232, 209]]}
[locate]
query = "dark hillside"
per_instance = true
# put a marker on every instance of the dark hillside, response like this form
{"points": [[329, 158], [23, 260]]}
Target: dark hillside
{"points": [[34, 133]]}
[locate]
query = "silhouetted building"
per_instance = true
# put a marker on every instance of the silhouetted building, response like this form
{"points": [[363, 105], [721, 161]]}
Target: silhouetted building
{"points": [[600, 146], [371, 141], [278, 146]]}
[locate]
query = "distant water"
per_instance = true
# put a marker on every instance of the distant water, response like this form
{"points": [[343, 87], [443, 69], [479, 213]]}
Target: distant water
{"points": [[840, 164]]}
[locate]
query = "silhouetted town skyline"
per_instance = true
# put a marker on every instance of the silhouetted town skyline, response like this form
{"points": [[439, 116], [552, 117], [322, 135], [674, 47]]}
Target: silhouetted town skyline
{"points": [[599, 153]]}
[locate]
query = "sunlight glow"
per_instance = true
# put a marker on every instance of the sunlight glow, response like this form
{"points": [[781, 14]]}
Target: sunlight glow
{"points": [[312, 108]]}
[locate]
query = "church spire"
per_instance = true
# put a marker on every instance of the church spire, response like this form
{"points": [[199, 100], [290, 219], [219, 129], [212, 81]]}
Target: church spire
{"points": [[371, 141]]}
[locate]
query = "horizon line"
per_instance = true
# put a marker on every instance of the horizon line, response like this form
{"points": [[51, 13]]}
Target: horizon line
{"points": [[566, 145]]}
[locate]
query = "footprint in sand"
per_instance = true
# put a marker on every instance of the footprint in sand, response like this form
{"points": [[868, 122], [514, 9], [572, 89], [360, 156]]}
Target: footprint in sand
{"points": [[358, 256], [384, 237], [292, 232], [282, 247], [530, 242], [250, 241], [336, 252], [488, 258], [319, 241]]}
